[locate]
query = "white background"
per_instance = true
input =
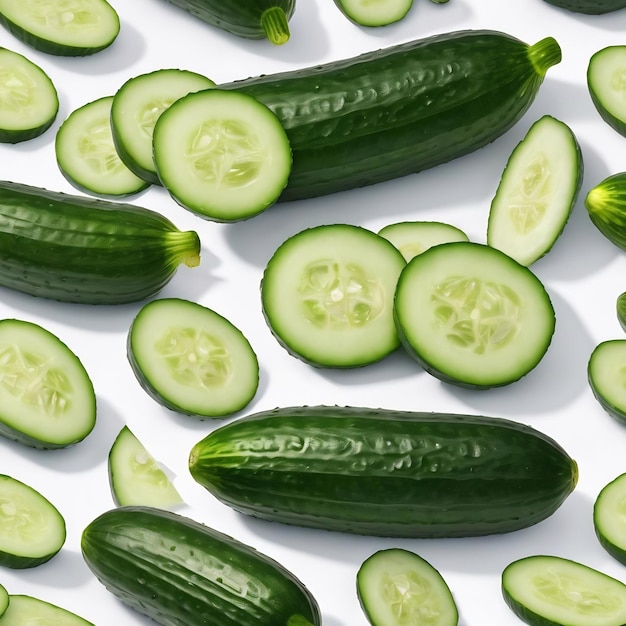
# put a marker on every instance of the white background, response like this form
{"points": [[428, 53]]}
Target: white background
{"points": [[583, 273]]}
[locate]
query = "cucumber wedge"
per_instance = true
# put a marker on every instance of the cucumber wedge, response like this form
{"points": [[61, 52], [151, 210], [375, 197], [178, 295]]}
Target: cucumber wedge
{"points": [[606, 206], [606, 372], [60, 27], [537, 191], [554, 591], [397, 587], [32, 530], [374, 12], [4, 600], [473, 316], [604, 80], [135, 476], [25, 610], [609, 521]]}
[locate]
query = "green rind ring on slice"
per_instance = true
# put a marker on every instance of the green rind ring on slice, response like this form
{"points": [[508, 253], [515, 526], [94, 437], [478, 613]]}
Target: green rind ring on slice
{"points": [[606, 84]]}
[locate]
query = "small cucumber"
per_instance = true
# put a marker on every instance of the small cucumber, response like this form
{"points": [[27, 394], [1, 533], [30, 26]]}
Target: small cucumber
{"points": [[23, 610], [606, 205], [609, 521], [620, 310], [4, 600], [606, 372], [32, 530], [374, 12], [397, 587], [604, 81], [537, 191], [589, 7], [554, 591]]}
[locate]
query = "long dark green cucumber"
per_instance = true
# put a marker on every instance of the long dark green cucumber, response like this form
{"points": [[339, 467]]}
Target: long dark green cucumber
{"points": [[78, 249], [181, 573], [402, 109], [383, 472]]}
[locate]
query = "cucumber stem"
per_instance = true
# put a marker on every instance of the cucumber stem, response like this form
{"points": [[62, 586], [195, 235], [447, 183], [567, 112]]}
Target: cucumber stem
{"points": [[275, 25], [544, 54], [184, 247]]}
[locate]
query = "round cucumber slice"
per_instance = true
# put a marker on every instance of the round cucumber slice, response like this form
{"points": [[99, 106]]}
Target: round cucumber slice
{"points": [[4, 600], [606, 372], [191, 359], [32, 530], [609, 518], [221, 154], [327, 295], [553, 591], [473, 316], [28, 610], [397, 587], [605, 81]]}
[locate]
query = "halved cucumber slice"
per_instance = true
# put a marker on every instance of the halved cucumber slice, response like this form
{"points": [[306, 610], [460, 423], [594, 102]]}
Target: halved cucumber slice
{"points": [[397, 587], [609, 518], [327, 295], [25, 610], [4, 600], [29, 102], [61, 27], [413, 238], [605, 81], [137, 105], [32, 530], [191, 359], [374, 12], [606, 205], [86, 154], [221, 154], [537, 191], [606, 372], [473, 316], [47, 399], [554, 591]]}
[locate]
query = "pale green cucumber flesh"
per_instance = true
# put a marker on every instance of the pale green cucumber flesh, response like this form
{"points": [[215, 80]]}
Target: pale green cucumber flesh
{"points": [[32, 530], [4, 600], [549, 590], [29, 102], [607, 85], [47, 399], [537, 192], [606, 372], [221, 154], [24, 610], [135, 476], [375, 12], [397, 587], [137, 105], [191, 359], [472, 316], [86, 154], [609, 518], [327, 295]]}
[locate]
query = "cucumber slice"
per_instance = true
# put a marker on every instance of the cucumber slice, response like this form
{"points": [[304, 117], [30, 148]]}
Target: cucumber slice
{"points": [[605, 83], [620, 310], [47, 399], [327, 295], [606, 205], [606, 372], [61, 27], [86, 154], [24, 610], [32, 530], [473, 316], [413, 238], [137, 105], [554, 591], [29, 103], [609, 518], [221, 154], [537, 192], [4, 600], [374, 12], [397, 587], [135, 476], [191, 359]]}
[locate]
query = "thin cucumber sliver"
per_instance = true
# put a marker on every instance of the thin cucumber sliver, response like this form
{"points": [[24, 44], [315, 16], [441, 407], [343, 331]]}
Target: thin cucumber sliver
{"points": [[4, 600], [606, 372], [609, 520], [29, 610]]}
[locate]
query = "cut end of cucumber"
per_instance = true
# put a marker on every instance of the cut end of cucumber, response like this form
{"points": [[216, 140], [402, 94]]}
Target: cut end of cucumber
{"points": [[276, 26], [606, 205], [544, 54]]}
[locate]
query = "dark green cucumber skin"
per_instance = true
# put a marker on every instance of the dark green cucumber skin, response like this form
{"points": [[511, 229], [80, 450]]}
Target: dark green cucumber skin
{"points": [[176, 571], [399, 110], [75, 249], [608, 214], [589, 7], [386, 473]]}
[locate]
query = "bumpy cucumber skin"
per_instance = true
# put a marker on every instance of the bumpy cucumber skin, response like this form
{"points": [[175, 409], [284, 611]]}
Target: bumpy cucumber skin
{"points": [[385, 473], [74, 249], [177, 572], [589, 7], [403, 109], [606, 205]]}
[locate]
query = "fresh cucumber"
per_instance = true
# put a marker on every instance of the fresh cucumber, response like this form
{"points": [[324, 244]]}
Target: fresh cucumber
{"points": [[472, 316], [137, 105], [413, 238], [32, 530], [76, 249], [47, 399], [86, 154], [383, 472], [253, 19], [191, 359], [327, 295], [221, 154], [23, 610], [609, 521], [604, 81], [62, 29], [537, 192], [397, 587], [30, 101], [620, 309], [135, 476], [606, 206], [547, 590], [401, 109], [179, 572], [4, 600], [589, 7], [606, 372], [376, 13]]}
